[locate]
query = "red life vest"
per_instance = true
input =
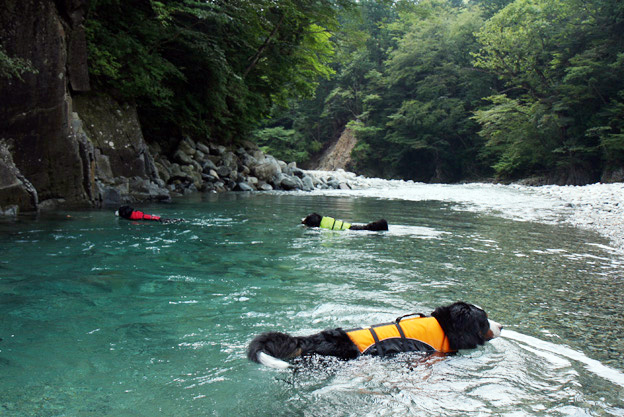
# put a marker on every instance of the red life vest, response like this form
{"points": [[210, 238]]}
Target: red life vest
{"points": [[139, 215]]}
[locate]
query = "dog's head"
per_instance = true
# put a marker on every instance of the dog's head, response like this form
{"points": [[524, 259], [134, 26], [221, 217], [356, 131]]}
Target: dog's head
{"points": [[124, 211], [466, 325], [312, 220]]}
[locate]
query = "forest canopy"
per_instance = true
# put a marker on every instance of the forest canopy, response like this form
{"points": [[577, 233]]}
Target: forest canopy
{"points": [[435, 90], [209, 68]]}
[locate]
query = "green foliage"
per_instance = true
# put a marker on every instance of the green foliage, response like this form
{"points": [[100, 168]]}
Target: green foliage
{"points": [[422, 102], [435, 90], [611, 137], [11, 67], [284, 144], [491, 7], [361, 47], [209, 68], [515, 145], [561, 58]]}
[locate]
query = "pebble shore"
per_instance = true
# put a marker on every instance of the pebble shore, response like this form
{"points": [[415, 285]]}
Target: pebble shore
{"points": [[598, 207]]}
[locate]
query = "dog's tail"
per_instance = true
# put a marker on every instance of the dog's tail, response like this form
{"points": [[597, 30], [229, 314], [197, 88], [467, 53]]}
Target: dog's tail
{"points": [[270, 348], [271, 362]]}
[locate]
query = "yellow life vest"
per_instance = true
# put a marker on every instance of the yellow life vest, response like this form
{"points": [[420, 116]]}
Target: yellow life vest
{"points": [[333, 224], [413, 334]]}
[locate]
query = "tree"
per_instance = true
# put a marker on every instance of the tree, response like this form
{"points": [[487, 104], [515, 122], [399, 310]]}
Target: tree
{"points": [[361, 47], [426, 94], [209, 68], [558, 58]]}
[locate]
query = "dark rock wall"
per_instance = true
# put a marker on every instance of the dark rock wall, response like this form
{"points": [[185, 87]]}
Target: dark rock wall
{"points": [[77, 70], [114, 130], [121, 165], [35, 112]]}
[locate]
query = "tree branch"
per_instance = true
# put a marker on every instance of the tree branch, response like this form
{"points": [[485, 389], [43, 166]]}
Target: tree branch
{"points": [[260, 50]]}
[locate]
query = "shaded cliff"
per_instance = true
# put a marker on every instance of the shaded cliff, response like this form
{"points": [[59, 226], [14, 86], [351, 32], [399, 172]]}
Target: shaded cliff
{"points": [[49, 155], [35, 115]]}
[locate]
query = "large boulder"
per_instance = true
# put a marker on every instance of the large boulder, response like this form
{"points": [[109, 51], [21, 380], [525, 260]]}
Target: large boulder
{"points": [[308, 183], [243, 186], [230, 160], [266, 170], [182, 157], [290, 182], [187, 145]]}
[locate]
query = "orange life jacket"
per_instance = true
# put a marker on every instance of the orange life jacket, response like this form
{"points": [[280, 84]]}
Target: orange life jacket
{"points": [[413, 334]]}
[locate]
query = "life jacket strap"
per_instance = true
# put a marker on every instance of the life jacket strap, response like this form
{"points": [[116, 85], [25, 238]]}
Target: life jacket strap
{"points": [[403, 338], [400, 329], [377, 344]]}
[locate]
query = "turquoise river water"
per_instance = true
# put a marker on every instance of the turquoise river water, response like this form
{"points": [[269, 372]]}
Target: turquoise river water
{"points": [[104, 317]]}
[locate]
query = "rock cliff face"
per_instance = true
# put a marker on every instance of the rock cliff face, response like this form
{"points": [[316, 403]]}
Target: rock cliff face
{"points": [[35, 113], [121, 168], [13, 186], [338, 155], [59, 144]]}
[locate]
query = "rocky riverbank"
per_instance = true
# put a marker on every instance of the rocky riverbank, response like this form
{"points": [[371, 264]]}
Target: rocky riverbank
{"points": [[104, 160], [122, 169], [598, 207], [215, 168]]}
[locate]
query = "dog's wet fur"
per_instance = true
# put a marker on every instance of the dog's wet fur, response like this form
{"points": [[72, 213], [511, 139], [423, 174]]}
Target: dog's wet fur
{"points": [[314, 220]]}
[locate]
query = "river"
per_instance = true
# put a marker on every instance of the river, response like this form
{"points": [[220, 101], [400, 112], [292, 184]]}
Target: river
{"points": [[104, 317]]}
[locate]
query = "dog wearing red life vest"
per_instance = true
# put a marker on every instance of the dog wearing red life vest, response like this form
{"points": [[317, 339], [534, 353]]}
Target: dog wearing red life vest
{"points": [[449, 328], [129, 213]]}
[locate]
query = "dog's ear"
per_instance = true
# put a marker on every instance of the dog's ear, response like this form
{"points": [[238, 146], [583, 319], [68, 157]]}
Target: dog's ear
{"points": [[312, 220], [464, 324]]}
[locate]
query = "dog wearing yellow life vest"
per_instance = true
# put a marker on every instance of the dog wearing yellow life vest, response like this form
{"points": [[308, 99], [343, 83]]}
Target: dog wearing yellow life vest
{"points": [[448, 329], [325, 222]]}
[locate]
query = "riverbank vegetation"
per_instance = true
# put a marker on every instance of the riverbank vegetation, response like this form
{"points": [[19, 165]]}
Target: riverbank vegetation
{"points": [[436, 90]]}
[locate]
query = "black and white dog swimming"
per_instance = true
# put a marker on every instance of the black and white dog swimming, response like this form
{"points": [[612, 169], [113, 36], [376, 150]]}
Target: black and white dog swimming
{"points": [[324, 222], [448, 329]]}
